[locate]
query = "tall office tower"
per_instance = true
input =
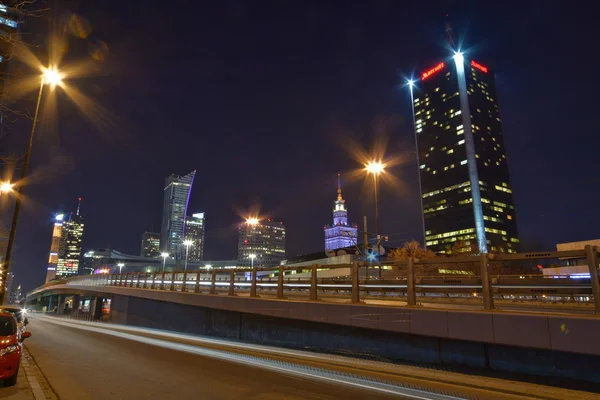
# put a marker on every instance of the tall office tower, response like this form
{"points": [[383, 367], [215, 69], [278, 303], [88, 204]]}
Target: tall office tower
{"points": [[54, 247], [176, 196], [150, 244], [465, 184], [261, 243], [194, 231], [69, 250], [340, 234]]}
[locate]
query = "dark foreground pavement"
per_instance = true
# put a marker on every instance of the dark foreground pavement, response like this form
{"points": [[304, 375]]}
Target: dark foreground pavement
{"points": [[83, 365]]}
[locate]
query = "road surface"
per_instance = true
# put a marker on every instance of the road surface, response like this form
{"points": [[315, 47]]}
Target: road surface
{"points": [[82, 365]]}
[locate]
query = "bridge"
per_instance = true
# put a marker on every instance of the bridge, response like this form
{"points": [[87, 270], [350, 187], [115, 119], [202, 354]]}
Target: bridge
{"points": [[395, 311]]}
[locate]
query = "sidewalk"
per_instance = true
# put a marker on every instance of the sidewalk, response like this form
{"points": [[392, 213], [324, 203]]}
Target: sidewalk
{"points": [[31, 383]]}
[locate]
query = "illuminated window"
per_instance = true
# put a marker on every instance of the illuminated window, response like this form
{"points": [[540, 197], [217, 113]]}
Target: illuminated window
{"points": [[461, 142], [450, 151], [458, 113], [422, 166], [509, 217], [463, 162]]}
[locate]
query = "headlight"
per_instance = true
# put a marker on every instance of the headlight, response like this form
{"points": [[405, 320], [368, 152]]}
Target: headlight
{"points": [[9, 349]]}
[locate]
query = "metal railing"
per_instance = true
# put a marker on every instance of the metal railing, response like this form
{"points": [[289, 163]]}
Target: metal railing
{"points": [[398, 280]]}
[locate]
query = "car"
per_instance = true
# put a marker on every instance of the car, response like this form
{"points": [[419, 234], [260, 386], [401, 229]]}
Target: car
{"points": [[11, 348], [19, 313]]}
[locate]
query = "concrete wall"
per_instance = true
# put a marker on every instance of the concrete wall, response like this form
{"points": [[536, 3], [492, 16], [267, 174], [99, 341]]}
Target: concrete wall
{"points": [[356, 340]]}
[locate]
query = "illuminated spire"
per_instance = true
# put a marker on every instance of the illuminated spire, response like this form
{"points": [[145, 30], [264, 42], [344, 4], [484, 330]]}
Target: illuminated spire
{"points": [[339, 188], [78, 205]]}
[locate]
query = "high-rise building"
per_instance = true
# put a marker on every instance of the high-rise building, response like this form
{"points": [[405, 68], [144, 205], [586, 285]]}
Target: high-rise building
{"points": [[150, 244], [176, 196], [465, 184], [69, 250], [261, 243], [194, 231], [340, 234], [54, 247]]}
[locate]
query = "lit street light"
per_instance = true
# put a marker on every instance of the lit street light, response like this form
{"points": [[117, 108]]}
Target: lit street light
{"points": [[6, 187], [252, 257], [164, 257], [50, 76], [120, 265], [252, 221], [187, 244], [376, 168]]}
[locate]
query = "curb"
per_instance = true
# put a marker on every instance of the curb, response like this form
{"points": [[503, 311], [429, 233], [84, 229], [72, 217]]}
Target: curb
{"points": [[39, 385]]}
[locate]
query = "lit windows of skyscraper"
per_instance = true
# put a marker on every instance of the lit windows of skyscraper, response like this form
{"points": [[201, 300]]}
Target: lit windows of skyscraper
{"points": [[261, 243], [176, 196], [465, 183], [194, 231], [69, 251], [54, 247], [340, 234], [150, 245]]}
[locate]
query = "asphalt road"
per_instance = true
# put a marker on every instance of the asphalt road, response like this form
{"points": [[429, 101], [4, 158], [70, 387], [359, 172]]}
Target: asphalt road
{"points": [[82, 365]]}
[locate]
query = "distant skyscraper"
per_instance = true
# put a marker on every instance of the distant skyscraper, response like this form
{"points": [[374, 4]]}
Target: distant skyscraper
{"points": [[150, 244], [194, 231], [465, 185], [54, 247], [176, 196], [340, 234], [263, 241], [69, 251]]}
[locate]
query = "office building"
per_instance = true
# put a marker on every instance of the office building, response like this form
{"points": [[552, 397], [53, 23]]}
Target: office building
{"points": [[465, 185], [150, 244], [340, 234], [194, 231], [261, 243], [54, 247], [69, 251], [176, 196]]}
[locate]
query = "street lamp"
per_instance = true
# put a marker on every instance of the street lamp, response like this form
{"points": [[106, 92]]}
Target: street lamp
{"points": [[6, 187], [50, 76], [376, 168], [164, 257], [120, 265], [187, 244], [252, 257]]}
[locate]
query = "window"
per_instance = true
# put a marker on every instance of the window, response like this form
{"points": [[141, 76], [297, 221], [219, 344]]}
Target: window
{"points": [[463, 162]]}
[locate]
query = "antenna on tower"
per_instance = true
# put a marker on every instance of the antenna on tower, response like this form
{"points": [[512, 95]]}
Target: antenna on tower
{"points": [[448, 30], [339, 188], [78, 205]]}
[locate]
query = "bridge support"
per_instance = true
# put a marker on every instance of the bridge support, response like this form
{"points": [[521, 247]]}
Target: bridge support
{"points": [[591, 253], [355, 283], [76, 303], [313, 283], [232, 283], [60, 308], [197, 285], [411, 297], [173, 275], [280, 282]]}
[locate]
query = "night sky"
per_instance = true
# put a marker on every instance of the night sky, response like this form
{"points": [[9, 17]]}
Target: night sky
{"points": [[262, 99]]}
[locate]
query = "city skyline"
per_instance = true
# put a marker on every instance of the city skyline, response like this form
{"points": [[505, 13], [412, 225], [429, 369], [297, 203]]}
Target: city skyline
{"points": [[235, 122]]}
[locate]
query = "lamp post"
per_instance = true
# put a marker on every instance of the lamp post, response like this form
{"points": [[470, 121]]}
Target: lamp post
{"points": [[376, 168], [120, 265], [187, 244], [164, 257], [52, 77]]}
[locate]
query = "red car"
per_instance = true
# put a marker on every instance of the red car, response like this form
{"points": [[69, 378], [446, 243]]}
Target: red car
{"points": [[10, 348]]}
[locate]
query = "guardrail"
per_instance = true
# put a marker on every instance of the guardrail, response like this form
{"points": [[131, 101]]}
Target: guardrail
{"points": [[355, 282]]}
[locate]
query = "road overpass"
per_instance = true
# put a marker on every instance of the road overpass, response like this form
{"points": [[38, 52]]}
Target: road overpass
{"points": [[508, 323]]}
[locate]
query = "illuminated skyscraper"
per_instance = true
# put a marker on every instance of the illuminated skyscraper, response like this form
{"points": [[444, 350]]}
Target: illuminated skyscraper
{"points": [[340, 234], [150, 244], [261, 243], [69, 251], [54, 247], [194, 231], [465, 184], [176, 196]]}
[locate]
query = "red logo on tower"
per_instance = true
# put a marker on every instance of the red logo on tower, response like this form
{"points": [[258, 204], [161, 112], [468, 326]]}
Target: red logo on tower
{"points": [[480, 67], [432, 71]]}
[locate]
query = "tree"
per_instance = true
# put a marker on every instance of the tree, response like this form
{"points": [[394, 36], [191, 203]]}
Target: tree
{"points": [[414, 249]]}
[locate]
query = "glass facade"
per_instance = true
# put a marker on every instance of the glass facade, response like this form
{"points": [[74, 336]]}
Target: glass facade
{"points": [[54, 247], [194, 231], [176, 196], [465, 184], [69, 250], [150, 245], [264, 240]]}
